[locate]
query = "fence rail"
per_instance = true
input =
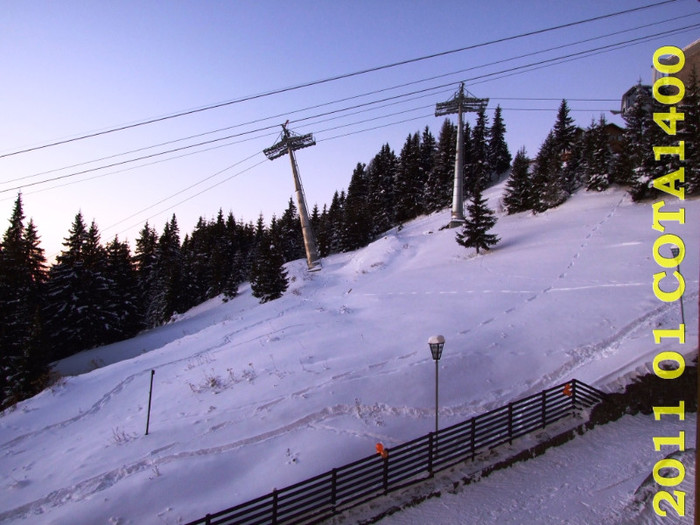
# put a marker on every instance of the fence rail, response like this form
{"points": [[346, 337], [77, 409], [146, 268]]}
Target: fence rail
{"points": [[343, 487]]}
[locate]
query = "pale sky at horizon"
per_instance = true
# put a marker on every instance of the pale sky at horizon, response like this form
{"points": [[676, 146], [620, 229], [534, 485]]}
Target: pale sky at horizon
{"points": [[70, 68]]}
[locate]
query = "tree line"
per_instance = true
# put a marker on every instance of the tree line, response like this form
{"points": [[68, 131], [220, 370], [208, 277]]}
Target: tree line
{"points": [[571, 158], [95, 293]]}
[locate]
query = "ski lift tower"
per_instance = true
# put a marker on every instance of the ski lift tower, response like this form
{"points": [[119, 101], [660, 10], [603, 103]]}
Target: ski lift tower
{"points": [[459, 103], [288, 143]]}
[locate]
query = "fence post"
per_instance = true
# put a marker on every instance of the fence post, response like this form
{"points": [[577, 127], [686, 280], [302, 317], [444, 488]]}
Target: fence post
{"points": [[385, 474], [510, 423], [544, 408], [274, 506], [430, 454], [573, 394], [207, 519], [473, 438], [334, 487]]}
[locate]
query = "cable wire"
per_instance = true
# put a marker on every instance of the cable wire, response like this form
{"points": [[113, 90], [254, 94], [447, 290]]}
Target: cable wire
{"points": [[330, 79]]}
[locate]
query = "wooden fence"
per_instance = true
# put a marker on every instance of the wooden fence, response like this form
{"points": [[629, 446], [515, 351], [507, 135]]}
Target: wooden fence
{"points": [[344, 487]]}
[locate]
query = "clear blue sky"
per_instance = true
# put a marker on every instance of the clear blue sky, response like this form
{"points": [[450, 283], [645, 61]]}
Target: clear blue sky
{"points": [[71, 67]]}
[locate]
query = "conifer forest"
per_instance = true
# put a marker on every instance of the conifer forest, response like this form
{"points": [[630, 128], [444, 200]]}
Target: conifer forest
{"points": [[98, 291]]}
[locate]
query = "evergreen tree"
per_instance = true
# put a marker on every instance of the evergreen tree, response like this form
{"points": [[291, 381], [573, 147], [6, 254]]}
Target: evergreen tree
{"points": [[428, 152], [408, 185], [166, 297], [334, 222], [481, 219], [123, 293], [219, 257], [441, 178], [23, 361], [519, 188], [553, 183], [564, 129], [381, 173], [145, 264], [77, 307], [324, 232], [197, 267], [599, 161], [357, 221], [291, 236], [268, 279], [547, 183], [477, 162], [498, 155]]}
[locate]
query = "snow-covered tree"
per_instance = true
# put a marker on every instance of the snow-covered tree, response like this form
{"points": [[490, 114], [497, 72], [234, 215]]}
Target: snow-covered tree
{"points": [[598, 164], [357, 220], [381, 174], [481, 219], [477, 166], [519, 190], [166, 292], [23, 359], [77, 306], [123, 294], [441, 177], [408, 182], [268, 278], [498, 154]]}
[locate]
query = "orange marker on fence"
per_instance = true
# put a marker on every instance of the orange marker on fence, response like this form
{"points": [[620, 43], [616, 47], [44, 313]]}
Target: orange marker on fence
{"points": [[567, 390], [382, 451]]}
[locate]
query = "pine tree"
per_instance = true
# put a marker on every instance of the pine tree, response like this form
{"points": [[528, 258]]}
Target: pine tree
{"points": [[441, 178], [334, 222], [498, 155], [519, 189], [166, 297], [197, 267], [427, 154], [145, 263], [551, 179], [477, 163], [323, 231], [219, 257], [77, 306], [291, 236], [599, 161], [381, 173], [268, 278], [357, 221], [481, 219], [564, 129], [123, 290], [408, 185], [546, 181], [23, 361]]}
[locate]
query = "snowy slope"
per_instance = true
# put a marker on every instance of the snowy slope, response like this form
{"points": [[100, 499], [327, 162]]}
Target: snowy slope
{"points": [[249, 397]]}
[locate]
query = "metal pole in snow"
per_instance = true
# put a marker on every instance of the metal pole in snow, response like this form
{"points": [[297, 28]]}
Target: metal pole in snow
{"points": [[150, 394]]}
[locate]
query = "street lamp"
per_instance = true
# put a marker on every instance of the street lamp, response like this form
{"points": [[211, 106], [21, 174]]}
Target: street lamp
{"points": [[436, 344], [675, 251]]}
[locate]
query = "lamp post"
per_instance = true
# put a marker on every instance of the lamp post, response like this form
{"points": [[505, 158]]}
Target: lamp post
{"points": [[675, 251], [436, 344]]}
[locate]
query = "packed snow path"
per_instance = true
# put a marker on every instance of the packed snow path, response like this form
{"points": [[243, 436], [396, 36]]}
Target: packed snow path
{"points": [[250, 397]]}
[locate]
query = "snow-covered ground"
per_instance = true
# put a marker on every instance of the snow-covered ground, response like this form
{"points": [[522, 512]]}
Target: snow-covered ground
{"points": [[249, 397]]}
